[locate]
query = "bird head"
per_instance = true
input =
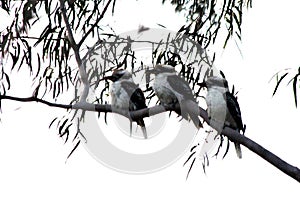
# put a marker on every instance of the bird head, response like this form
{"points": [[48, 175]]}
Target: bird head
{"points": [[214, 81], [118, 74], [158, 69]]}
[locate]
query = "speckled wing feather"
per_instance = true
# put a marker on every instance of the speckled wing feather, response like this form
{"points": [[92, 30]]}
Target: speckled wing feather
{"points": [[234, 110], [137, 98], [137, 101], [181, 86]]}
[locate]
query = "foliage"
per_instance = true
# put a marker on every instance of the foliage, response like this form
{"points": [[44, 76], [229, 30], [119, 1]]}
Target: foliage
{"points": [[279, 76], [206, 17], [38, 40], [53, 40]]}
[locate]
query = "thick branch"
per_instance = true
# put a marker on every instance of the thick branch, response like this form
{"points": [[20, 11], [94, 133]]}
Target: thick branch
{"points": [[75, 47], [147, 112], [277, 162], [233, 135], [283, 166]]}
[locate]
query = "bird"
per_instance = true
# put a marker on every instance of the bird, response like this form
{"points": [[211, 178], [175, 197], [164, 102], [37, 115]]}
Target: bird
{"points": [[127, 95], [174, 91], [222, 107]]}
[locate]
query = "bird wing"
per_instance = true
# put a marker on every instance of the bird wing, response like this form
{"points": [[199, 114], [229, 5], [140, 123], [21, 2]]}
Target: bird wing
{"points": [[234, 110], [180, 86], [137, 98], [136, 102]]}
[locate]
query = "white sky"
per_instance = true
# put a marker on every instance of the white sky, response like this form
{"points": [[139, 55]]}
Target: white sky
{"points": [[33, 157]]}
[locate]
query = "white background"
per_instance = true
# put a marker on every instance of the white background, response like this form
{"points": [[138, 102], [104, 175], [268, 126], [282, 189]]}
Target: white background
{"points": [[33, 158]]}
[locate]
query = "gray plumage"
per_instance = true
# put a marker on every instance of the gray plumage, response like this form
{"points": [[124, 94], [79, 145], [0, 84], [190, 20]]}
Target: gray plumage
{"points": [[223, 108], [127, 95], [172, 90]]}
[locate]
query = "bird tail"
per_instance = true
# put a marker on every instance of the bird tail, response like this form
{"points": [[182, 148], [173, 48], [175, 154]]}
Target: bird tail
{"points": [[194, 117], [141, 123], [238, 150], [192, 109]]}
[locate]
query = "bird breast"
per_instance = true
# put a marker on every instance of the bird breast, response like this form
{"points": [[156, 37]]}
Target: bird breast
{"points": [[119, 96], [163, 90], [216, 108]]}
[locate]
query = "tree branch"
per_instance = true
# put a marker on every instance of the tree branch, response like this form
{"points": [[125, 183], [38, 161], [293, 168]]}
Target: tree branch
{"points": [[37, 38], [280, 164], [133, 115], [34, 99], [277, 162], [75, 47], [232, 135]]}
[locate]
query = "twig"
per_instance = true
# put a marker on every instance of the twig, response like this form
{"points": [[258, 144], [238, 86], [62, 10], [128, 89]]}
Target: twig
{"points": [[95, 24], [31, 99]]}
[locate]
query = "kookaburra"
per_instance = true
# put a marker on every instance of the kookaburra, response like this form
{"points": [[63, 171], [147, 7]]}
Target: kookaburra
{"points": [[223, 108], [127, 95], [173, 91]]}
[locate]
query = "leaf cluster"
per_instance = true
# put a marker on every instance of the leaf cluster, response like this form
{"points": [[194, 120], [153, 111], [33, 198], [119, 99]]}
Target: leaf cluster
{"points": [[294, 80], [206, 17], [53, 50]]}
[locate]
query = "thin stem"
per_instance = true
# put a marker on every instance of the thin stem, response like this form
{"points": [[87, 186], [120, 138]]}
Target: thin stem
{"points": [[36, 38], [95, 24], [32, 99]]}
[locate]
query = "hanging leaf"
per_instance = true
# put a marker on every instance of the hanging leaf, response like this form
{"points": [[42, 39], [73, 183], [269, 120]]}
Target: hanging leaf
{"points": [[278, 82], [52, 122], [295, 79], [191, 166], [74, 148]]}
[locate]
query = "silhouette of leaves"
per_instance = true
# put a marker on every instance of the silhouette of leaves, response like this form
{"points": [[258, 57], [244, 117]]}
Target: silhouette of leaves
{"points": [[294, 80], [50, 53], [206, 17]]}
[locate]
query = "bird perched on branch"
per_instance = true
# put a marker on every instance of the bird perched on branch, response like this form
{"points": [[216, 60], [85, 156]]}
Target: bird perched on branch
{"points": [[223, 108], [173, 91], [127, 95]]}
